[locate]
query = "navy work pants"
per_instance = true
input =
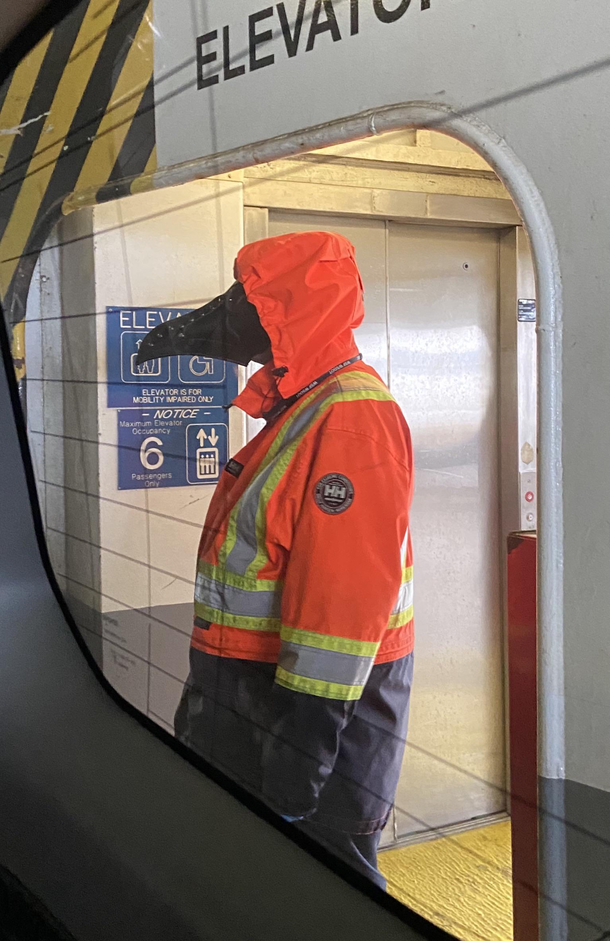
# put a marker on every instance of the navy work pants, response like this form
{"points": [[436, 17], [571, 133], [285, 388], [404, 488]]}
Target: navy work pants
{"points": [[334, 764]]}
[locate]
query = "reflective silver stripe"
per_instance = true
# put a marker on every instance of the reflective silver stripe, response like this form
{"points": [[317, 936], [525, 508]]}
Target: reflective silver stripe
{"points": [[330, 666], [405, 597], [238, 601], [403, 548]]}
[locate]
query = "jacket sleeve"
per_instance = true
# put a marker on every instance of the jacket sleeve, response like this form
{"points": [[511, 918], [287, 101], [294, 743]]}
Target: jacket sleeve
{"points": [[342, 586]]}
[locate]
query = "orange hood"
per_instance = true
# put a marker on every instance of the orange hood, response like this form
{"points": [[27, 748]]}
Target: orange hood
{"points": [[308, 291]]}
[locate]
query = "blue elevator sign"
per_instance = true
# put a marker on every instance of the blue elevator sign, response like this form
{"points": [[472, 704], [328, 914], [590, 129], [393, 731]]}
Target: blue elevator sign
{"points": [[171, 447], [172, 381]]}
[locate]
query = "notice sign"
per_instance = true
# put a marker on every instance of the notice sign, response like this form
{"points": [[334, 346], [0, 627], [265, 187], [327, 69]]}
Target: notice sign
{"points": [[171, 447], [172, 380]]}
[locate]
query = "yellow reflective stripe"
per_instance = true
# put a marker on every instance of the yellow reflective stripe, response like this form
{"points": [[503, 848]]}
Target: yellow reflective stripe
{"points": [[360, 648], [302, 684], [379, 393], [246, 582], [276, 444], [206, 613], [402, 618], [407, 574], [278, 472]]}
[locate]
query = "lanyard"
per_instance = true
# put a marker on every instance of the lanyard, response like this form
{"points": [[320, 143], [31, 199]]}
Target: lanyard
{"points": [[281, 407]]}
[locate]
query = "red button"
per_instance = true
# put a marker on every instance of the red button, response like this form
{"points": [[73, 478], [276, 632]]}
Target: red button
{"points": [[529, 496]]}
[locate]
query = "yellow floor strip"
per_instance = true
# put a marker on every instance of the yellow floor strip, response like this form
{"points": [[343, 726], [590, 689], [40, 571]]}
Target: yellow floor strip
{"points": [[461, 883], [18, 95], [68, 94]]}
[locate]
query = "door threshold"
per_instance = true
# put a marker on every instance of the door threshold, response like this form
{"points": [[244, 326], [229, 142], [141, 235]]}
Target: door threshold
{"points": [[440, 833]]}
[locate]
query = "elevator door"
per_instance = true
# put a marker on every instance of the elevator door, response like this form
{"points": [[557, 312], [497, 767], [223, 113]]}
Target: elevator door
{"points": [[431, 331]]}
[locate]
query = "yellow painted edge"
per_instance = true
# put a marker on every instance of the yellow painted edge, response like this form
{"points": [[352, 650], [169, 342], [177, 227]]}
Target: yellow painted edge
{"points": [[18, 349], [126, 97], [68, 94], [17, 97]]}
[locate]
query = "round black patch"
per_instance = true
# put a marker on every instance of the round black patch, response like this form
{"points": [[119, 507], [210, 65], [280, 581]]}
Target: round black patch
{"points": [[334, 493]]}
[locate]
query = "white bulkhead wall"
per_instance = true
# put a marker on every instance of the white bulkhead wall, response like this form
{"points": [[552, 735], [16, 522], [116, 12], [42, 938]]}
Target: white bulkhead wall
{"points": [[536, 76]]}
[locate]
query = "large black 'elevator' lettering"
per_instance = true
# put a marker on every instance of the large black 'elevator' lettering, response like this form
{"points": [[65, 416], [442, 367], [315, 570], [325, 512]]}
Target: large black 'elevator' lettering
{"points": [[329, 24], [323, 20], [291, 39], [257, 38], [205, 82], [226, 58], [390, 16]]}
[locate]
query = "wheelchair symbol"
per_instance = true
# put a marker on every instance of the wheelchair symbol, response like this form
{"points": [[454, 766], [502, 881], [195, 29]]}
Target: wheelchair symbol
{"points": [[199, 366], [200, 369]]}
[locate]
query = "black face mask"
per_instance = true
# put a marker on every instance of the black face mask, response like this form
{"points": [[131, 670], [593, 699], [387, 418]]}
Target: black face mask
{"points": [[227, 328]]}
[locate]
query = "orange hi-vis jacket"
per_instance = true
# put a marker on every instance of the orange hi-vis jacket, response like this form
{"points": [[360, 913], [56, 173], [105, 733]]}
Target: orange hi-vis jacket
{"points": [[305, 558]]}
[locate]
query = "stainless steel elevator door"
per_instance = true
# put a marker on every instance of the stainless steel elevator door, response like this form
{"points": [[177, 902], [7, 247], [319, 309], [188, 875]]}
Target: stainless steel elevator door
{"points": [[431, 330]]}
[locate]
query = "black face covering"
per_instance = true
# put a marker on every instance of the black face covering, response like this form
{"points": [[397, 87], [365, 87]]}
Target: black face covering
{"points": [[227, 328]]}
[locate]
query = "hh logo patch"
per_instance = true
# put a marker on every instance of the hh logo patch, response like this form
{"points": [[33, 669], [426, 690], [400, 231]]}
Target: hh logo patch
{"points": [[334, 493], [234, 468]]}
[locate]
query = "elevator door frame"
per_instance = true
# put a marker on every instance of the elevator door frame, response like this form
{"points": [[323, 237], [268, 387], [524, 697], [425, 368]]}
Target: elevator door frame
{"points": [[515, 272]]}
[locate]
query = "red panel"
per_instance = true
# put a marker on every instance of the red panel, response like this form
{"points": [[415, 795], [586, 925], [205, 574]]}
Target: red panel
{"points": [[523, 731]]}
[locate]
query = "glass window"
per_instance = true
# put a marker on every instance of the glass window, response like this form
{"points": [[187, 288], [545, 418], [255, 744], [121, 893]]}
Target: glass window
{"points": [[267, 640]]}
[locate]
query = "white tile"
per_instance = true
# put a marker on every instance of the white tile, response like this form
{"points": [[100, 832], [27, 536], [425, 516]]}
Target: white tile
{"points": [[123, 529], [81, 517], [173, 547], [86, 613], [37, 453], [176, 616], [170, 224], [79, 408], [35, 410], [169, 650], [55, 507], [165, 695], [33, 345], [53, 417], [78, 350], [169, 590], [51, 342], [82, 595], [77, 463], [128, 628], [189, 504], [127, 674], [124, 583], [54, 460], [53, 404], [82, 562], [56, 545]]}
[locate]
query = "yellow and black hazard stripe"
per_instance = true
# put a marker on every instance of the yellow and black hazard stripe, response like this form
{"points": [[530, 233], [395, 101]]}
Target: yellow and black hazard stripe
{"points": [[77, 113]]}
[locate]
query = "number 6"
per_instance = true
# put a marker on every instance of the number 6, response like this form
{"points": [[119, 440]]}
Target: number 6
{"points": [[147, 453]]}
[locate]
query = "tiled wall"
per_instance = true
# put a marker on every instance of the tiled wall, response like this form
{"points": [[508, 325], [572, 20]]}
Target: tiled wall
{"points": [[125, 559]]}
